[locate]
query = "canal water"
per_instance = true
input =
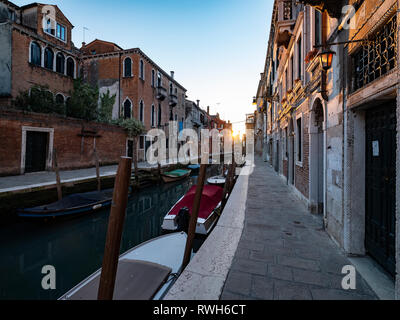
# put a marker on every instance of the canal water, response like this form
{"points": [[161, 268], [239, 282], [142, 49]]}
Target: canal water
{"points": [[75, 247]]}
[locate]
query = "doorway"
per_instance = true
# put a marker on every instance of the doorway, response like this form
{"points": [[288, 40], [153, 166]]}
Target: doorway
{"points": [[36, 149], [380, 185]]}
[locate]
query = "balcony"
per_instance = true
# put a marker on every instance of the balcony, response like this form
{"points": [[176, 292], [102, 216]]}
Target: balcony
{"points": [[173, 100], [286, 22], [161, 93]]}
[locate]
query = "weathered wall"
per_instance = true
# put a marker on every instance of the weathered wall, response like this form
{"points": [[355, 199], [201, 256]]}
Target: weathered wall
{"points": [[72, 150], [5, 59]]}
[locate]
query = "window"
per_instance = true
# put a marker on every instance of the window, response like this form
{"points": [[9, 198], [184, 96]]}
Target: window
{"points": [[318, 28], [59, 99], [70, 67], [60, 32], [141, 142], [141, 66], [127, 109], [11, 15], [141, 111], [292, 72], [36, 54], [299, 58], [159, 114], [128, 67], [171, 89], [153, 78], [378, 58], [299, 141], [60, 63], [49, 27], [153, 116], [159, 79], [49, 59]]}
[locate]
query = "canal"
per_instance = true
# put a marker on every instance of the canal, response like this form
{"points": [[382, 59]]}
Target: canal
{"points": [[75, 247]]}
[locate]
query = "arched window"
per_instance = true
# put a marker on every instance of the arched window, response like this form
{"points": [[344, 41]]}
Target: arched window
{"points": [[70, 67], [59, 98], [127, 109], [60, 63], [141, 111], [36, 54], [171, 89], [153, 116], [159, 114], [48, 59], [128, 67]]}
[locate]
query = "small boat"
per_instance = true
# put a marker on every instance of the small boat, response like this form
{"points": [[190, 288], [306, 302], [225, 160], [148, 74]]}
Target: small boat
{"points": [[195, 168], [178, 217], [217, 181], [78, 203], [175, 175], [145, 272]]}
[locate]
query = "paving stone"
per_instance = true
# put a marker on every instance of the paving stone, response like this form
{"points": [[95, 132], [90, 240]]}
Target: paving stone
{"points": [[280, 272], [238, 282], [284, 249], [298, 263], [249, 266], [262, 288], [290, 291]]}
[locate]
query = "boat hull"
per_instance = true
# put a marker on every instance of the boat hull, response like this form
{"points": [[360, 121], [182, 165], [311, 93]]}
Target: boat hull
{"points": [[169, 179], [167, 250]]}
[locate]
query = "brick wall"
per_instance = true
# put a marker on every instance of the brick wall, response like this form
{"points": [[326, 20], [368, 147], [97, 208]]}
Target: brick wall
{"points": [[302, 172], [34, 75], [73, 151]]}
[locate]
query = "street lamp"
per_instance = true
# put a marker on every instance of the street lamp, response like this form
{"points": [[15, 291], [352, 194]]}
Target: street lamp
{"points": [[326, 57]]}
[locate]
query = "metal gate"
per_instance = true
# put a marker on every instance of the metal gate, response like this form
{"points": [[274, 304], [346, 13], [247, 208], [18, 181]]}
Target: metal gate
{"points": [[381, 184]]}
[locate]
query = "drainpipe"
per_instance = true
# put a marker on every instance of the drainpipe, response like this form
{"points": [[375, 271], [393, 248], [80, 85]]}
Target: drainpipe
{"points": [[119, 85]]}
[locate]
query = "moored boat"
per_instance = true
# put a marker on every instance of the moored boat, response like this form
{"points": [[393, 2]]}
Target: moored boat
{"points": [[178, 217], [145, 272], [175, 175], [217, 181], [74, 204]]}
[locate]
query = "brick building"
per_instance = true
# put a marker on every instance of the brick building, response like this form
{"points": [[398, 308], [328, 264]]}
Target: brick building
{"points": [[332, 133], [36, 43], [143, 90]]}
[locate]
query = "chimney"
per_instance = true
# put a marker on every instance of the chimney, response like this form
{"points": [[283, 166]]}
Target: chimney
{"points": [[198, 103], [172, 74], [208, 110], [83, 44]]}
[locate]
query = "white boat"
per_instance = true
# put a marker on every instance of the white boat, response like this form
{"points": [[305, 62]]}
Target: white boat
{"points": [[145, 272], [217, 181]]}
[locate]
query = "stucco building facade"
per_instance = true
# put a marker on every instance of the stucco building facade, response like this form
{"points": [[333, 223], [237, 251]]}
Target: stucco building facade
{"points": [[333, 134]]}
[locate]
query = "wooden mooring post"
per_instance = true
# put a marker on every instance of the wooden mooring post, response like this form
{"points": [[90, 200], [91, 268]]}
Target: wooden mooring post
{"points": [[57, 171], [194, 215], [96, 158], [115, 227]]}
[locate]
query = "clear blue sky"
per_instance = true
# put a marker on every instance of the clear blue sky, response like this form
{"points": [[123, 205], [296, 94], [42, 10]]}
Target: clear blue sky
{"points": [[217, 48]]}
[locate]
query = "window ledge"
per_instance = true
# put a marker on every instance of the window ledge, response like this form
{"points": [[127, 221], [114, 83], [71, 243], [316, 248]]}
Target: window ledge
{"points": [[299, 164]]}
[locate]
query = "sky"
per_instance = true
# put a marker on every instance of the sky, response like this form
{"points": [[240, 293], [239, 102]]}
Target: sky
{"points": [[217, 48]]}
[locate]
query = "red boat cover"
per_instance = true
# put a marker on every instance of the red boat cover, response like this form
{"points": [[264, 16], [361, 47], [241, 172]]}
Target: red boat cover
{"points": [[212, 195]]}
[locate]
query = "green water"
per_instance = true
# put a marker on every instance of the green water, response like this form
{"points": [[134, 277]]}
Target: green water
{"points": [[75, 247]]}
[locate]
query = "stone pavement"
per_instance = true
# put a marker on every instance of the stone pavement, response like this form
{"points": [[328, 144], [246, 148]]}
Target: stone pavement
{"points": [[284, 253]]}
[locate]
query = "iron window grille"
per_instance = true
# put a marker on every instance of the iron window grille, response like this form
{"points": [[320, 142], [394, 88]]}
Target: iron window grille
{"points": [[376, 57]]}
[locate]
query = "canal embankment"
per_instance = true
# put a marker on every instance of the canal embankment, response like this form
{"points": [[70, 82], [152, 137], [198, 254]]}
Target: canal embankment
{"points": [[204, 277]]}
